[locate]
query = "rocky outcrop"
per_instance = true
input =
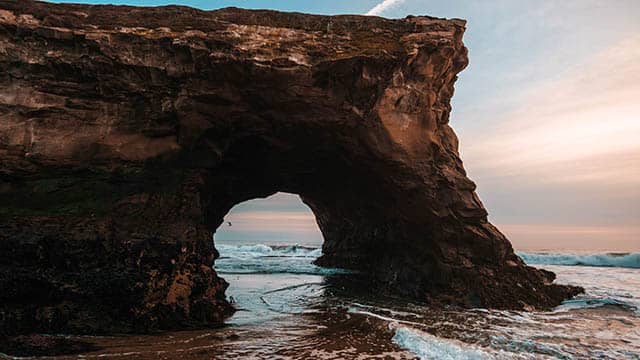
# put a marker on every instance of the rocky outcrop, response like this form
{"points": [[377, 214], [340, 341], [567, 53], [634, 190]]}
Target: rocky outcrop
{"points": [[126, 135]]}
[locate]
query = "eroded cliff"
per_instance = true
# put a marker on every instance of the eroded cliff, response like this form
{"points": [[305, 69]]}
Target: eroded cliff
{"points": [[126, 134]]}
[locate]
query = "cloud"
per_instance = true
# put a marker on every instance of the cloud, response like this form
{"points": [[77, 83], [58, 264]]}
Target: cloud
{"points": [[582, 126], [541, 237], [383, 6], [270, 220]]}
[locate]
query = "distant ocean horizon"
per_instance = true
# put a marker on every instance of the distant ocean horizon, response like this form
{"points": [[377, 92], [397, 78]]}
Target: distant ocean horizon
{"points": [[313, 237], [283, 219]]}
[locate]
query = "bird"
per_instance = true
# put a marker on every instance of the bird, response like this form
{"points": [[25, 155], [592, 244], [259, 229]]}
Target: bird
{"points": [[229, 223]]}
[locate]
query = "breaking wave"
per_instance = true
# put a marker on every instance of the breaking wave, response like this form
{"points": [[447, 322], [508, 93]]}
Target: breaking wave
{"points": [[626, 260], [260, 250], [427, 346], [270, 259], [591, 303]]}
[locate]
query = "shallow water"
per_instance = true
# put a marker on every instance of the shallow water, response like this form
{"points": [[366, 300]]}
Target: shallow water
{"points": [[289, 308]]}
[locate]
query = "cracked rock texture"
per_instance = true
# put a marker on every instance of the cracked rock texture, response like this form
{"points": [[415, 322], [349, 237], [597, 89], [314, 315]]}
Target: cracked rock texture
{"points": [[127, 134]]}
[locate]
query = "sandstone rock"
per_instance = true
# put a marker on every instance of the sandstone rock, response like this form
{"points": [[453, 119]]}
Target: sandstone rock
{"points": [[126, 135]]}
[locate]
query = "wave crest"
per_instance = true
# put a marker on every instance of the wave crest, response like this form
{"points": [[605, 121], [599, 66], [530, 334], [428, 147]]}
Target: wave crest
{"points": [[427, 346], [628, 260], [260, 250], [270, 259]]}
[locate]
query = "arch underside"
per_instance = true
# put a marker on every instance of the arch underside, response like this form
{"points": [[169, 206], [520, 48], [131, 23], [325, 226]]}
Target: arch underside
{"points": [[124, 147]]}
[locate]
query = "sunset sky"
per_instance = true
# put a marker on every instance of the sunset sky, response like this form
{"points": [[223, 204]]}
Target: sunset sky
{"points": [[548, 115]]}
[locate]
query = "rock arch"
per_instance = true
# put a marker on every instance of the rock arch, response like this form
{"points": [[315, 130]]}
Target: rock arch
{"points": [[126, 134]]}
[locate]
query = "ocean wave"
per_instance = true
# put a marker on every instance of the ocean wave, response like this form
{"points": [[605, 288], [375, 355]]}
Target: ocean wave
{"points": [[271, 259], [299, 269], [590, 303], [628, 260], [260, 250], [427, 346]]}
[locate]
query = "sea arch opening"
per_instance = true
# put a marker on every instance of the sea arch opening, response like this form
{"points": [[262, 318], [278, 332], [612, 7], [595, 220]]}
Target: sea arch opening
{"points": [[279, 219], [273, 235], [267, 248]]}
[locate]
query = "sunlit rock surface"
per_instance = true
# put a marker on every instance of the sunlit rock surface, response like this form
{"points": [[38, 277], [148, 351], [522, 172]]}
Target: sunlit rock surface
{"points": [[126, 134]]}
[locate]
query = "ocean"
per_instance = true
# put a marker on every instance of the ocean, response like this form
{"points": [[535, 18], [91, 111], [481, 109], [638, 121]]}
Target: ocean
{"points": [[288, 308]]}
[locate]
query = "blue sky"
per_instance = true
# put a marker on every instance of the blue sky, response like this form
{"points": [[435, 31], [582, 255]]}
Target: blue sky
{"points": [[548, 114], [318, 7]]}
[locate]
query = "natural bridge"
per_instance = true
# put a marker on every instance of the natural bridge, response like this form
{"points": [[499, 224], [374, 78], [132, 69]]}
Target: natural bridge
{"points": [[127, 134]]}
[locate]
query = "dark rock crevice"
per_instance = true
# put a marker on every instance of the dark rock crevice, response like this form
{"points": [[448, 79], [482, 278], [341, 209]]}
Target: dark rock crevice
{"points": [[127, 134]]}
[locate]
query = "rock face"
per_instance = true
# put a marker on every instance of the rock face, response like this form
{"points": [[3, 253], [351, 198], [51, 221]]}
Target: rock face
{"points": [[127, 134]]}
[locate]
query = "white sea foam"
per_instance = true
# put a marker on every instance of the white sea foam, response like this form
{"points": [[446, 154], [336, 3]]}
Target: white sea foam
{"points": [[427, 346], [420, 343], [631, 260], [270, 259], [260, 250], [589, 303]]}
